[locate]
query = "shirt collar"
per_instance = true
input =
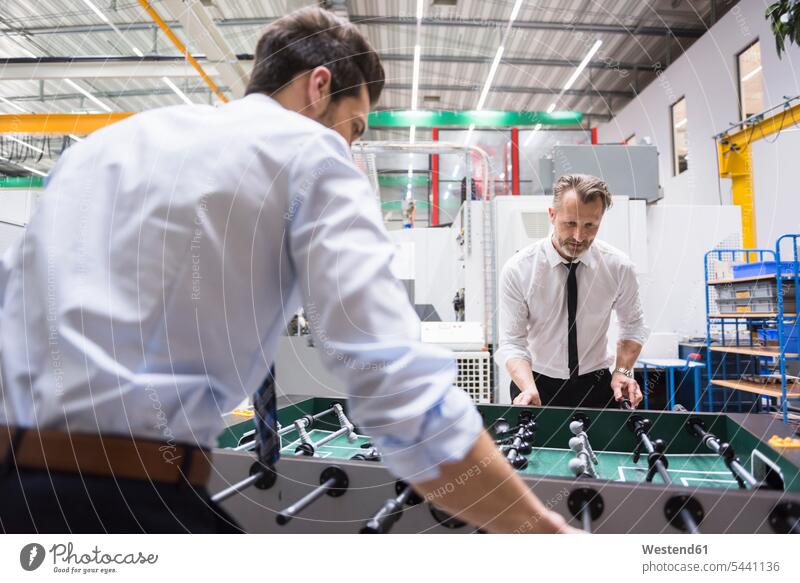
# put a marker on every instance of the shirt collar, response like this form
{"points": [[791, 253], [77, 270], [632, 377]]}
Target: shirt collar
{"points": [[262, 98], [554, 259]]}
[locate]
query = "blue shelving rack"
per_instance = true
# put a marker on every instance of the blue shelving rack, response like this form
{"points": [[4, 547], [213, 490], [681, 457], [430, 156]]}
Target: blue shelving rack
{"points": [[742, 346]]}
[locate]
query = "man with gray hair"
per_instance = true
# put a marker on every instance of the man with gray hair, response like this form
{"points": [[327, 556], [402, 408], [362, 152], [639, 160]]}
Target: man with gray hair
{"points": [[556, 298]]}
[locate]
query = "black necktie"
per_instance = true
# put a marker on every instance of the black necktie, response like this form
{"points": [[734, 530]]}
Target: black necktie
{"points": [[572, 309]]}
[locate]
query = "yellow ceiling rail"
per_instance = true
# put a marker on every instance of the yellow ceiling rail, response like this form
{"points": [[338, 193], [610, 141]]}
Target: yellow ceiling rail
{"points": [[58, 123], [182, 48], [736, 160]]}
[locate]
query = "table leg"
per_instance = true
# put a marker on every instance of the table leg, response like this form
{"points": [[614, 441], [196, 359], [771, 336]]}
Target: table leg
{"points": [[671, 387], [696, 371]]}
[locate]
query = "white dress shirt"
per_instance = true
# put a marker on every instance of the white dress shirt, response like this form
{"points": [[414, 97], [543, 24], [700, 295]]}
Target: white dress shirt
{"points": [[169, 251], [533, 307]]}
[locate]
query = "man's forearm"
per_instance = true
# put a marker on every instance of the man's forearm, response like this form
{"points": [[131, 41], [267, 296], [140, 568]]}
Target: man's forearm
{"points": [[627, 353], [505, 503], [521, 373]]}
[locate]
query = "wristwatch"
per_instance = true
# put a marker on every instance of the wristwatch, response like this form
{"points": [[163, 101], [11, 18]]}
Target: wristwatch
{"points": [[626, 371]]}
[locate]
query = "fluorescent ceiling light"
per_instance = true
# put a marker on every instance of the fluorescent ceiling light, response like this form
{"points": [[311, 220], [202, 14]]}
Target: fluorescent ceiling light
{"points": [[34, 170], [12, 104], [751, 74], [490, 78], [105, 19], [177, 91], [97, 11], [34, 148], [536, 128], [469, 134], [552, 108], [582, 66], [88, 95], [415, 82], [515, 11]]}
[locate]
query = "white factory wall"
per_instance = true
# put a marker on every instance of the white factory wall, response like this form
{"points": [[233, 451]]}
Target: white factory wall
{"points": [[706, 76], [678, 236], [776, 182], [16, 207]]}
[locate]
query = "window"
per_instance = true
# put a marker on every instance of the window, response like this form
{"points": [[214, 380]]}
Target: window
{"points": [[680, 137], [751, 89]]}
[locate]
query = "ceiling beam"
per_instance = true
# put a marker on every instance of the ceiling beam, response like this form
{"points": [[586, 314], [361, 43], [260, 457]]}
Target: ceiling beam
{"points": [[527, 61], [605, 93], [200, 28], [155, 91], [677, 31], [92, 68], [204, 91], [129, 67]]}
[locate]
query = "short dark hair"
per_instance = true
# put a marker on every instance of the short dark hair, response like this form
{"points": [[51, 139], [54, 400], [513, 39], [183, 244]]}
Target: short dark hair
{"points": [[588, 188], [309, 38]]}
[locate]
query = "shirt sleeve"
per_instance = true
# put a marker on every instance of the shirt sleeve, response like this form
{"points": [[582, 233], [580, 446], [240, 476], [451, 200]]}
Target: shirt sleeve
{"points": [[514, 316], [628, 306], [401, 392]]}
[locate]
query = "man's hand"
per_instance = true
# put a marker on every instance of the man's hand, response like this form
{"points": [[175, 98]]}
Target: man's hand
{"points": [[624, 386], [529, 397], [484, 490]]}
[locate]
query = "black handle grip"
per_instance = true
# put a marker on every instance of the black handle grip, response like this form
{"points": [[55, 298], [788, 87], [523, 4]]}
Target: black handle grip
{"points": [[384, 519], [389, 513]]}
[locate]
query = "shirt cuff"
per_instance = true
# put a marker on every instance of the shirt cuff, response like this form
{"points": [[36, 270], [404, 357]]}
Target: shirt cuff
{"points": [[449, 431], [508, 351], [639, 335]]}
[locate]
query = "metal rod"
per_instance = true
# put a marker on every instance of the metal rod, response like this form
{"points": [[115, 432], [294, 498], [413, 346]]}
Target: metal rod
{"points": [[388, 514], [691, 525], [285, 516], [586, 517], [795, 528], [282, 431], [237, 487], [330, 437], [712, 442], [648, 446]]}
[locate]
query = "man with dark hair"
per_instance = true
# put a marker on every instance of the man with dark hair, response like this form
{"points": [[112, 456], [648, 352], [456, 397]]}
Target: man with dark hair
{"points": [[148, 293], [556, 299]]}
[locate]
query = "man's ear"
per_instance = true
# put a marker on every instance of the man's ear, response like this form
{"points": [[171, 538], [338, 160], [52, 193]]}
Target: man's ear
{"points": [[319, 91], [552, 213]]}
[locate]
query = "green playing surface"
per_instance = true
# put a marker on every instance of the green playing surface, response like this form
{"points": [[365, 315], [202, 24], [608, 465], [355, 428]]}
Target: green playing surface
{"points": [[692, 470]]}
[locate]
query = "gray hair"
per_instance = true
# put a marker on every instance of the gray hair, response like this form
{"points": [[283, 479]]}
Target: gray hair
{"points": [[588, 188]]}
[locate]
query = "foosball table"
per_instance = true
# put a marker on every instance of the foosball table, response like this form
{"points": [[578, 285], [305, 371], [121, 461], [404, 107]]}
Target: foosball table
{"points": [[606, 471]]}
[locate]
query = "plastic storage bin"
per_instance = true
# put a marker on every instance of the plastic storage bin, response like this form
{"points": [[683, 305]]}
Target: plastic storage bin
{"points": [[791, 339], [757, 268]]}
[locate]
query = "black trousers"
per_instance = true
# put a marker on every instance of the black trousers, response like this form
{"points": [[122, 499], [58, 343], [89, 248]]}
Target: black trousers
{"points": [[54, 502], [592, 389]]}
